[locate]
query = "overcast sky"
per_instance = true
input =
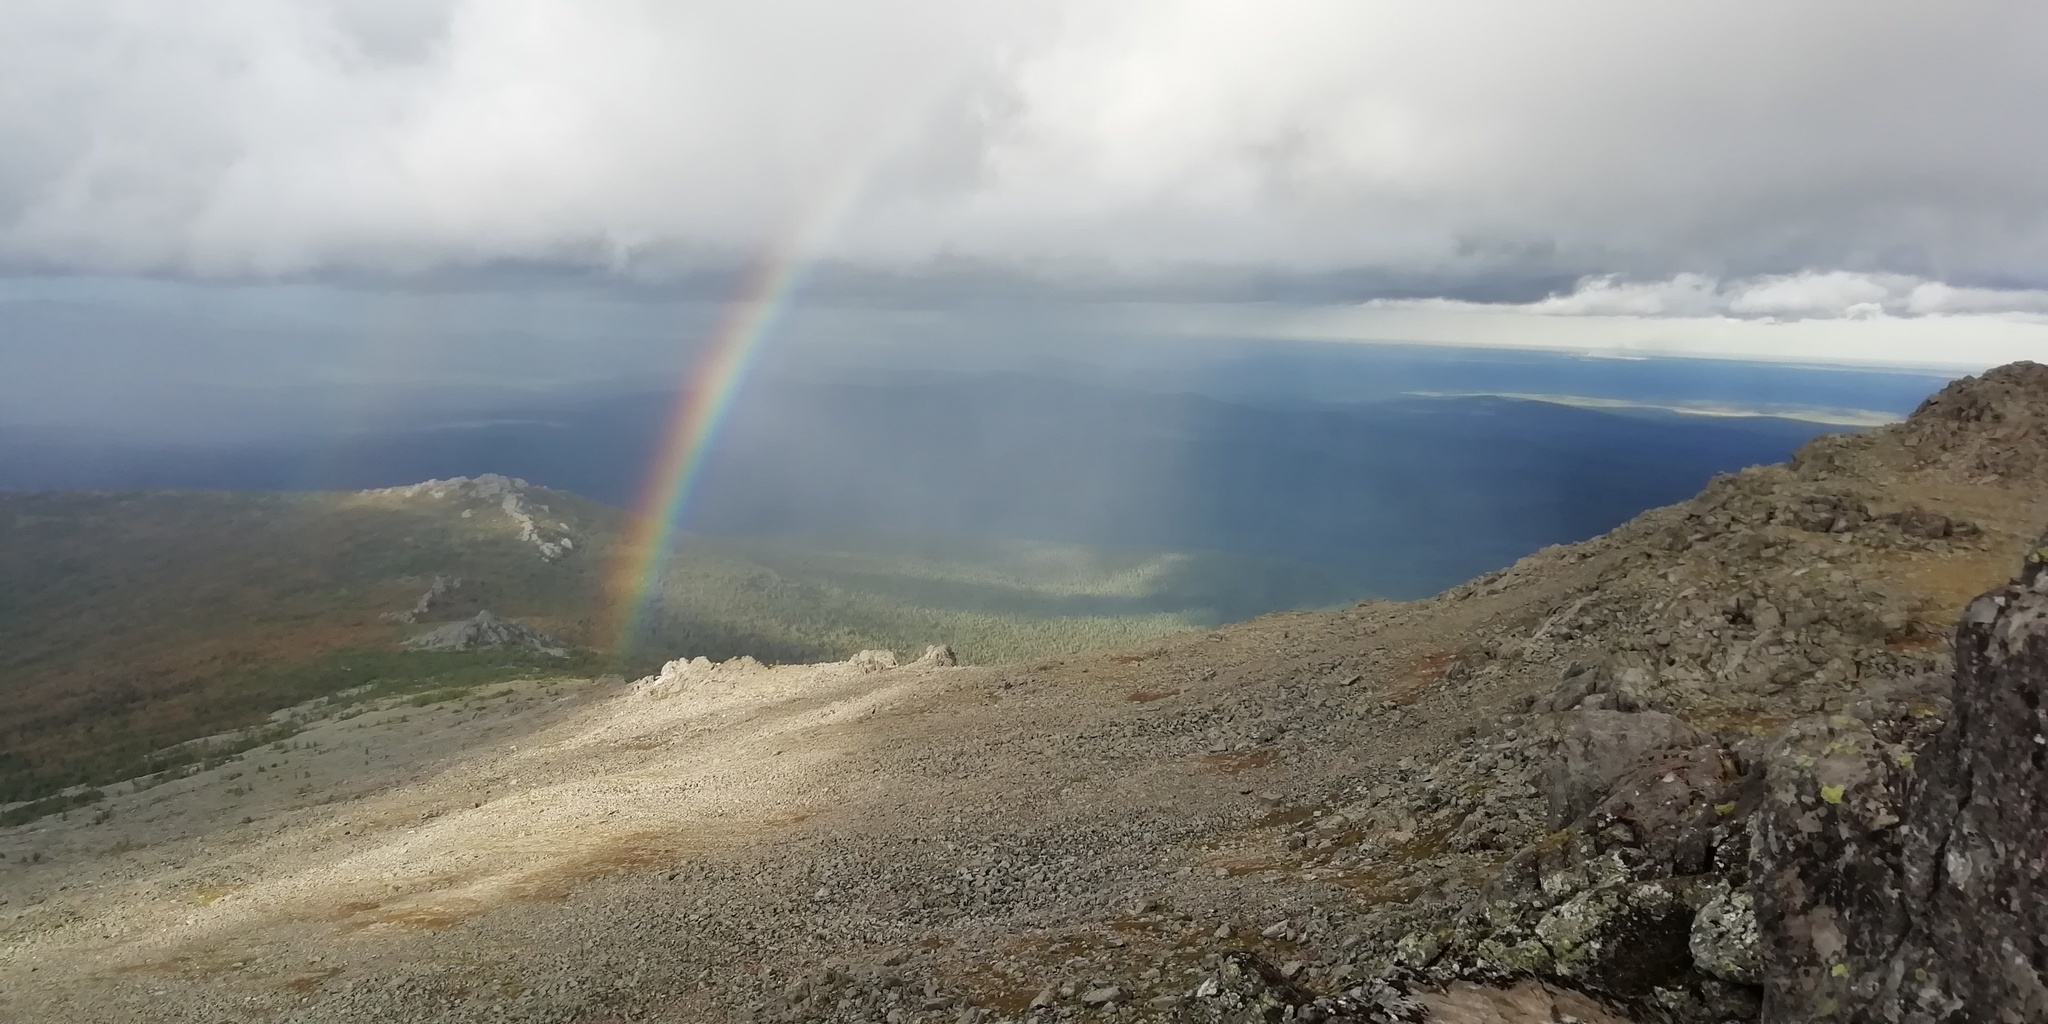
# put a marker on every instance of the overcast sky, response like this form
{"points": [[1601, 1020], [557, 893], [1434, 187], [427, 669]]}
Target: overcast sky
{"points": [[1859, 180]]}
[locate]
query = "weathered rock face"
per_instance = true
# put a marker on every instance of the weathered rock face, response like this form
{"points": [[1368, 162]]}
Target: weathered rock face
{"points": [[1885, 862], [1911, 886], [1600, 748], [1825, 864], [485, 630], [1986, 424]]}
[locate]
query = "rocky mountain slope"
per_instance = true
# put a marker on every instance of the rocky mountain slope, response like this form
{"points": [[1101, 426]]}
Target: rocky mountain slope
{"points": [[1733, 761]]}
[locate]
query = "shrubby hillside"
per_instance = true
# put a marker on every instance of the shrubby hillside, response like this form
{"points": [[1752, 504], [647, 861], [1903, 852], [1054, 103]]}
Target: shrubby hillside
{"points": [[137, 620]]}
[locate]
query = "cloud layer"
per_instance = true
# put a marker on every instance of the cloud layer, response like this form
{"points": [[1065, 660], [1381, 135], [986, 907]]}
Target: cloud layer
{"points": [[1834, 294], [1830, 156]]}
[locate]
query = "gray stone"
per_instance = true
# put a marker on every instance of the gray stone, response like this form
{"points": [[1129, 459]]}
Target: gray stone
{"points": [[1903, 882], [1724, 939], [1243, 990], [1626, 940], [1102, 996]]}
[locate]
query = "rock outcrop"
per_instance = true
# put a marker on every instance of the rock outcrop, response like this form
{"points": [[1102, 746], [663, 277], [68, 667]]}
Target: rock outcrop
{"points": [[513, 498], [486, 630], [1992, 425], [1756, 794], [1906, 882], [434, 595], [1879, 863], [873, 660]]}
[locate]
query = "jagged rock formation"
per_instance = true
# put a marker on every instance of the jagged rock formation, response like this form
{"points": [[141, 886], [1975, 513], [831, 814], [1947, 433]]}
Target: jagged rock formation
{"points": [[1902, 880], [1866, 868], [680, 675], [683, 674], [512, 497], [435, 591], [486, 630]]}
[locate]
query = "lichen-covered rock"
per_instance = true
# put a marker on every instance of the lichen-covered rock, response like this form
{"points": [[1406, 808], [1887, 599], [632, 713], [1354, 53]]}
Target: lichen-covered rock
{"points": [[1977, 828], [1825, 864], [1724, 939], [1244, 989], [1527, 956], [1623, 939], [1909, 886], [1417, 950]]}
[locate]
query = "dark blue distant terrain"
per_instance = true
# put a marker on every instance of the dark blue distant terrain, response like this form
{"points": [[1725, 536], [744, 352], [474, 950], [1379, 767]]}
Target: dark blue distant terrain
{"points": [[1402, 470]]}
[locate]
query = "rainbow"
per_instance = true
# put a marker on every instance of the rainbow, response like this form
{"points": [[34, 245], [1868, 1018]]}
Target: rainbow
{"points": [[714, 380], [708, 393], [720, 372]]}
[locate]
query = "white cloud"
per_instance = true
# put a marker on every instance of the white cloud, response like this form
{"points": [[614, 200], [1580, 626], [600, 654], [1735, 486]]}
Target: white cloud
{"points": [[1963, 342], [1681, 295], [1824, 295], [1468, 140]]}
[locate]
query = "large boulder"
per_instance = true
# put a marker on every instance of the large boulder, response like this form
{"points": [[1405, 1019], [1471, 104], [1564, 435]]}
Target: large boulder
{"points": [[1825, 863], [1600, 748], [1623, 939], [1669, 807]]}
